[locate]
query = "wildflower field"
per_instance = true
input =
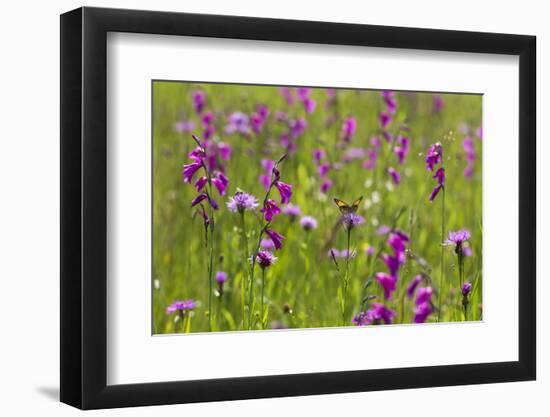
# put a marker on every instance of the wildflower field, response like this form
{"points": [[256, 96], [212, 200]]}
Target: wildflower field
{"points": [[294, 207]]}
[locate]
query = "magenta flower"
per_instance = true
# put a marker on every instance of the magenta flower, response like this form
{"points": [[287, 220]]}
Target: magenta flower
{"points": [[181, 306], [384, 119], [325, 185], [388, 283], [287, 94], [389, 99], [270, 210], [303, 93], [351, 220], [291, 211], [275, 237], [458, 238], [189, 171], [438, 103], [440, 177], [434, 156], [379, 312], [242, 201], [258, 118], [370, 162], [308, 223], [200, 183], [411, 288], [423, 304], [285, 190], [198, 199], [298, 127], [265, 259], [361, 319], [323, 169], [466, 288], [395, 176], [348, 128], [220, 181], [318, 155], [224, 150], [309, 105], [199, 100], [401, 149], [221, 277]]}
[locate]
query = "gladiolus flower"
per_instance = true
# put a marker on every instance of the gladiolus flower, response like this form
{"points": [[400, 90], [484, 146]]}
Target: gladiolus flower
{"points": [[285, 190], [270, 210], [275, 237], [388, 283]]}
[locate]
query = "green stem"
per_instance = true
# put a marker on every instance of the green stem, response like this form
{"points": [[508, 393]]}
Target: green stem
{"points": [[245, 278], [442, 262], [262, 300], [346, 279]]}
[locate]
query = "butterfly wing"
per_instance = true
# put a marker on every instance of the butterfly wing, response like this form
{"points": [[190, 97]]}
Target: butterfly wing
{"points": [[356, 204], [342, 205]]}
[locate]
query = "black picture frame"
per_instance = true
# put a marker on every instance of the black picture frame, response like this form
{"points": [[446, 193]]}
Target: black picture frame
{"points": [[84, 207]]}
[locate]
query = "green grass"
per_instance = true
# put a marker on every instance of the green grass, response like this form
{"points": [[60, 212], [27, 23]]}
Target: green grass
{"points": [[301, 289]]}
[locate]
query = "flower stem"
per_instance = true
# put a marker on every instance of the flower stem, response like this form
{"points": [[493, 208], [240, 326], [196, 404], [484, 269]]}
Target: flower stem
{"points": [[262, 300], [245, 280], [442, 262], [346, 279]]}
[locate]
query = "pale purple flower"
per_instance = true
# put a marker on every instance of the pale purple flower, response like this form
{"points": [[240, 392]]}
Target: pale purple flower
{"points": [[411, 288], [434, 156], [291, 210], [221, 277], [370, 162], [351, 220], [334, 253], [388, 283], [308, 223], [265, 259], [467, 251], [270, 210], [224, 150], [181, 306], [345, 253], [199, 100], [353, 153], [242, 201], [267, 244], [458, 238], [466, 288], [348, 128], [238, 122], [395, 176], [369, 251], [275, 237], [184, 126], [470, 151]]}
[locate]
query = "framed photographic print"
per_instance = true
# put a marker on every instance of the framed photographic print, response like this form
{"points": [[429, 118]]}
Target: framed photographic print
{"points": [[257, 208]]}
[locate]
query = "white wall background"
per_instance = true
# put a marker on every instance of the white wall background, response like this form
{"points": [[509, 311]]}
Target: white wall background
{"points": [[29, 225]]}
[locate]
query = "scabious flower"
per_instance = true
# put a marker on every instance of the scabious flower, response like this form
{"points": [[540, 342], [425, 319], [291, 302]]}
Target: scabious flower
{"points": [[242, 201], [411, 288], [199, 100], [291, 210], [270, 210], [181, 306], [351, 220], [348, 128], [275, 237], [265, 259], [387, 282], [238, 122], [389, 99], [470, 151], [440, 177], [466, 288], [395, 176], [458, 239], [423, 304], [308, 223], [434, 156]]}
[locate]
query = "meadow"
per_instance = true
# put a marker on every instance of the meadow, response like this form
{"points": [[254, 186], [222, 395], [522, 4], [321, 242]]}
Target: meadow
{"points": [[294, 207]]}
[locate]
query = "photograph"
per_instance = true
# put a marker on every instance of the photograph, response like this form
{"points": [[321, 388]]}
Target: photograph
{"points": [[292, 207]]}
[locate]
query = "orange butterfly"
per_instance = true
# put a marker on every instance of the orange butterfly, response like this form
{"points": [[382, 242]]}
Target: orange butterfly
{"points": [[345, 208]]}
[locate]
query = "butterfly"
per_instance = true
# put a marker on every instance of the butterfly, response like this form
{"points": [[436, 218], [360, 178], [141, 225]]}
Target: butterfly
{"points": [[345, 208]]}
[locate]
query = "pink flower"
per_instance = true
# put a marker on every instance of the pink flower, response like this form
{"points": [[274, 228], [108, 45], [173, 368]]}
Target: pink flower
{"points": [[270, 210]]}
